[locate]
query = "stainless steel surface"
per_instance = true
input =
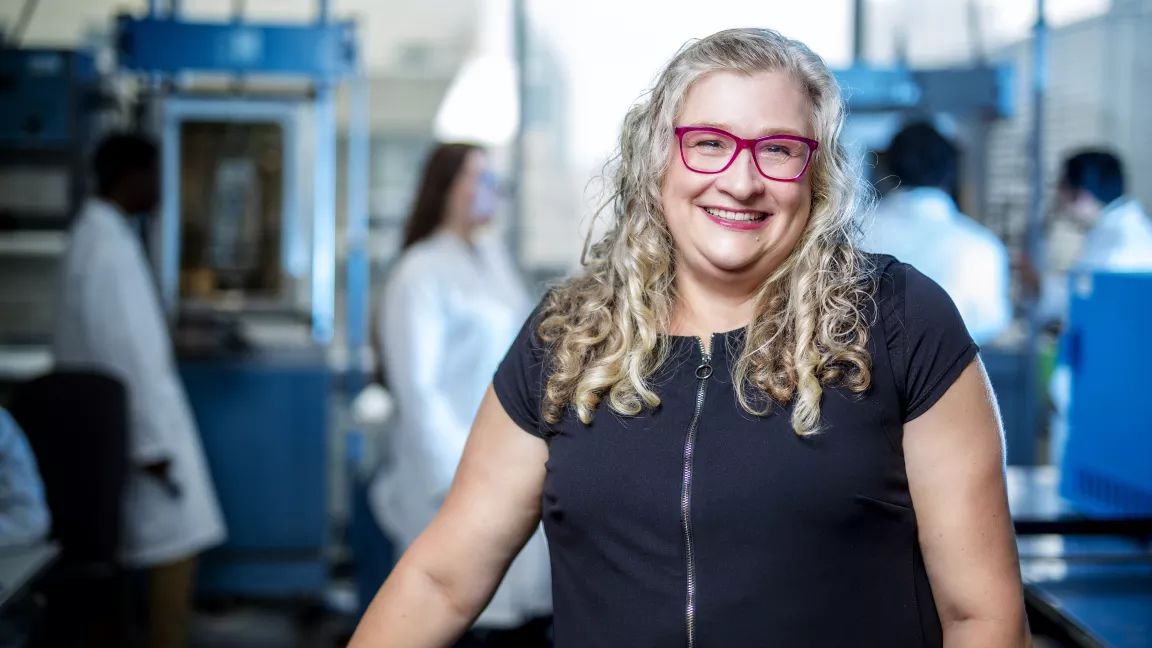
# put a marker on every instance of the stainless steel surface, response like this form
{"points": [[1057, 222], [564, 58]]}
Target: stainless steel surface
{"points": [[1038, 508], [1034, 493], [21, 566], [1096, 589]]}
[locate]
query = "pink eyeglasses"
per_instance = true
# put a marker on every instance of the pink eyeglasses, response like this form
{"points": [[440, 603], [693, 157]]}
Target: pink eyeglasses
{"points": [[784, 158]]}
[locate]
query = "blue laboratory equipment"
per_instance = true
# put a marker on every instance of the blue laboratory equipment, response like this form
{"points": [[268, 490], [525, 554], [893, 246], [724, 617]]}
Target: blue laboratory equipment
{"points": [[51, 105], [246, 260], [45, 96], [48, 98], [1107, 465]]}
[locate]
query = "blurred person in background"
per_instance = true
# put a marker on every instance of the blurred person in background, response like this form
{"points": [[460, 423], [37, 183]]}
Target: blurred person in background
{"points": [[1097, 227], [24, 516], [111, 320], [451, 307], [919, 224], [738, 428]]}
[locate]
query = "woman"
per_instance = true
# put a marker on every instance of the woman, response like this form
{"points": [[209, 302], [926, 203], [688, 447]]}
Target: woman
{"points": [[828, 473], [451, 307]]}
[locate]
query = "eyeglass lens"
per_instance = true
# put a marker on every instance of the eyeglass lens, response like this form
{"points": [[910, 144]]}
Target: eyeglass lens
{"points": [[710, 152]]}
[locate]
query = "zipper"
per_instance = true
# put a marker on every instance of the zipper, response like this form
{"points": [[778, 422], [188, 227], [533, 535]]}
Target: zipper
{"points": [[703, 373]]}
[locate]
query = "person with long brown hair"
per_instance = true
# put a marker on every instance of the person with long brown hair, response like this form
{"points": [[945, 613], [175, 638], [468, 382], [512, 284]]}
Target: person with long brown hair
{"points": [[737, 427], [451, 307]]}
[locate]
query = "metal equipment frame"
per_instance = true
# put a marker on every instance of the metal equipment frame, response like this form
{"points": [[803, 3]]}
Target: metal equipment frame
{"points": [[240, 400], [176, 110], [325, 54]]}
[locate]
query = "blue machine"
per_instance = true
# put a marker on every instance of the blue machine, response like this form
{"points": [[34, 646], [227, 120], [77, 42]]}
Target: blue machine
{"points": [[47, 99], [1107, 467], [984, 91], [42, 95], [267, 411], [167, 45]]}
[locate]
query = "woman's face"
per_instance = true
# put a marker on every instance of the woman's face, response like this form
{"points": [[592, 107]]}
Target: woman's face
{"points": [[699, 208], [472, 199]]}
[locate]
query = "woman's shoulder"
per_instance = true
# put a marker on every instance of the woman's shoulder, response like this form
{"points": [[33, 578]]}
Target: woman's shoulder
{"points": [[427, 251], [420, 264], [899, 285], [520, 379], [920, 328], [883, 270]]}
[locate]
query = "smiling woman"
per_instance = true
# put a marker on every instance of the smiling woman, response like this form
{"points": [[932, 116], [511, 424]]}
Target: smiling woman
{"points": [[737, 428], [725, 226]]}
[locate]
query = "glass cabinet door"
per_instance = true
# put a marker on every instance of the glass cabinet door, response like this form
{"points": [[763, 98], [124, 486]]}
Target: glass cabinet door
{"points": [[233, 234], [231, 211]]}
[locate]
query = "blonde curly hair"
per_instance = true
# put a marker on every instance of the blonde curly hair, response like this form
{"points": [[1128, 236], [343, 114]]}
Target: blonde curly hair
{"points": [[606, 327]]}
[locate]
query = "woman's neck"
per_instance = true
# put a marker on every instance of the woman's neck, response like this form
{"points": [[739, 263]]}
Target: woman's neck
{"points": [[702, 309], [462, 231]]}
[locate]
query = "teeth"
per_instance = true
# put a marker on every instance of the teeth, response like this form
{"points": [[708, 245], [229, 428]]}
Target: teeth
{"points": [[735, 216]]}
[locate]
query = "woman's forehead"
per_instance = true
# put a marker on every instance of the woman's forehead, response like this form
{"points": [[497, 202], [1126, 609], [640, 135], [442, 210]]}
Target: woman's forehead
{"points": [[748, 105]]}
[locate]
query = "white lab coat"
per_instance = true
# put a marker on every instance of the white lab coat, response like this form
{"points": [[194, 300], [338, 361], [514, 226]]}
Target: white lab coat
{"points": [[111, 320], [448, 316], [924, 228], [1120, 241]]}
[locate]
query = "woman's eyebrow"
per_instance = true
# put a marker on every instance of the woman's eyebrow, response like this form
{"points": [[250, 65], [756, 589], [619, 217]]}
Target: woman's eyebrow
{"points": [[781, 130]]}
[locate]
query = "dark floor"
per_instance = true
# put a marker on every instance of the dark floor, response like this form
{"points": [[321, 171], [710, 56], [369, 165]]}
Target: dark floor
{"points": [[250, 624], [256, 627], [267, 627]]}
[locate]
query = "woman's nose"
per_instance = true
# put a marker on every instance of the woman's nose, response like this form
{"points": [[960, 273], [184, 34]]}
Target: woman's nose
{"points": [[741, 180]]}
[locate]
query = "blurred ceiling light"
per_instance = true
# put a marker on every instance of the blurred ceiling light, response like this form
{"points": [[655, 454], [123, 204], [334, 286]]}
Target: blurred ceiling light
{"points": [[482, 103]]}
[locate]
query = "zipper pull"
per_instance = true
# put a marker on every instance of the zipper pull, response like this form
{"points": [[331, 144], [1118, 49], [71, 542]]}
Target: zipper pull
{"points": [[704, 371]]}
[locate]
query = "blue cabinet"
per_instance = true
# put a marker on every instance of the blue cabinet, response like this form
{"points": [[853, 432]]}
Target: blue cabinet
{"points": [[265, 426], [1108, 459]]}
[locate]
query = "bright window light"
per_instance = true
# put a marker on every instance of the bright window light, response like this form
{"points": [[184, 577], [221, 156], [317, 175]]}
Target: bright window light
{"points": [[482, 103]]}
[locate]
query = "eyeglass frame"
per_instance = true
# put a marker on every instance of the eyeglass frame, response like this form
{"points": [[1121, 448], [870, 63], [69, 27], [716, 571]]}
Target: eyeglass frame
{"points": [[742, 144]]}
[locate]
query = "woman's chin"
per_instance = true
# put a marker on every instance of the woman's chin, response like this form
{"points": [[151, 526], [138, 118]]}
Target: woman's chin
{"points": [[737, 268]]}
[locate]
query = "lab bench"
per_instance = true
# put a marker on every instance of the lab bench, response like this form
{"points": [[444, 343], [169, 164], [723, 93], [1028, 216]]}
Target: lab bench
{"points": [[1089, 577]]}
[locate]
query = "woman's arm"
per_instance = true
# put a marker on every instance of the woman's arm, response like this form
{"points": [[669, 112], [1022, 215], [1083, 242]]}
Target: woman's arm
{"points": [[955, 462], [446, 578]]}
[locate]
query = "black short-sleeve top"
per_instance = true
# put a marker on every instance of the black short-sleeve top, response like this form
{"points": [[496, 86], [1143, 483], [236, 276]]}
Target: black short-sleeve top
{"points": [[697, 524]]}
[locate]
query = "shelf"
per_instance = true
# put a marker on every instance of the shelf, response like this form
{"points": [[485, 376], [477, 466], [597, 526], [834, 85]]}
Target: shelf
{"points": [[33, 244]]}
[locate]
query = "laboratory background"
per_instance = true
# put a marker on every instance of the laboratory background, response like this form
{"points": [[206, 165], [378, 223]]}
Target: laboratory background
{"points": [[232, 233]]}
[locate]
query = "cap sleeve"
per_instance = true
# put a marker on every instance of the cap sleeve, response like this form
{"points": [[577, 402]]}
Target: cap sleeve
{"points": [[520, 379], [927, 340]]}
